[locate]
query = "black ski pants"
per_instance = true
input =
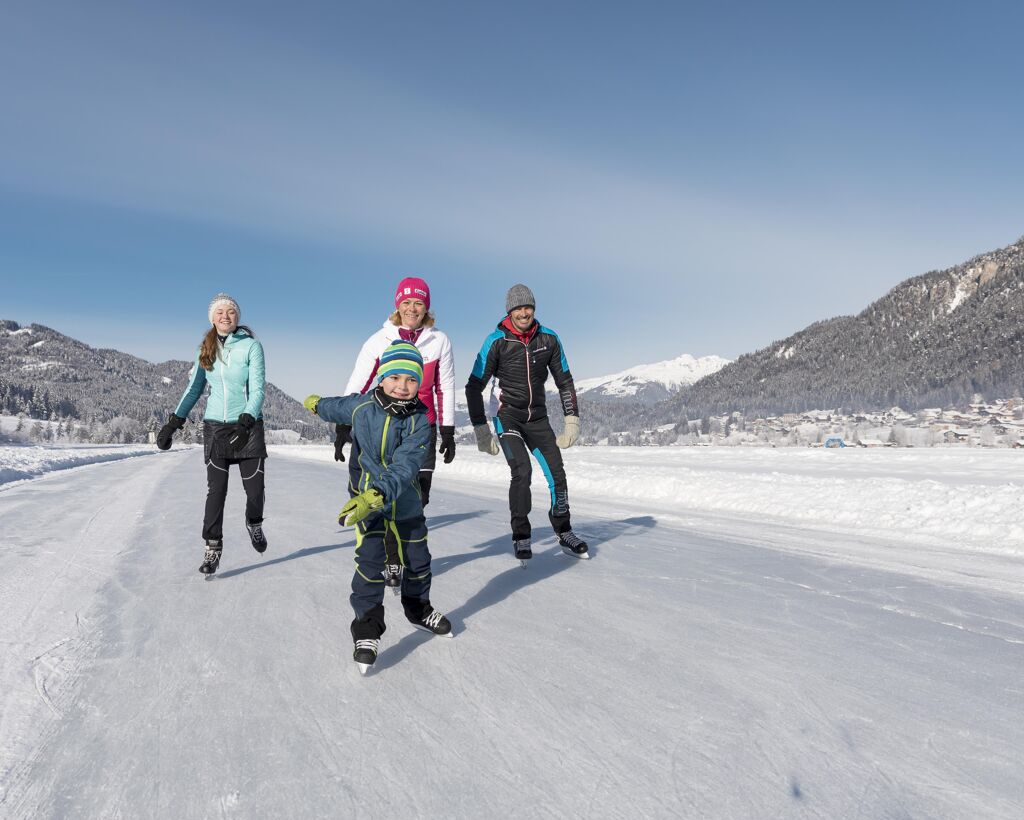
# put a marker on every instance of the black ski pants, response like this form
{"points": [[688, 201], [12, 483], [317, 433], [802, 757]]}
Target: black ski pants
{"points": [[217, 491], [518, 440]]}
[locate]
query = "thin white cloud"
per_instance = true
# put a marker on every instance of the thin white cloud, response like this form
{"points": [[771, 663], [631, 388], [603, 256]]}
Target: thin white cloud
{"points": [[299, 145]]}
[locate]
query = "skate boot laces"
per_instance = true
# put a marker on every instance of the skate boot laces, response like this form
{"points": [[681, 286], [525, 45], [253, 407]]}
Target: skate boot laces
{"points": [[571, 539], [433, 619], [368, 643]]}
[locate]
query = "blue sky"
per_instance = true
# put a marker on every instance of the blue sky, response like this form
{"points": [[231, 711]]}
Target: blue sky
{"points": [[667, 177]]}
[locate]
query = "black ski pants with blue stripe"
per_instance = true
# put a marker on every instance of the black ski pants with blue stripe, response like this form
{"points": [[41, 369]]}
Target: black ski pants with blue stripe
{"points": [[520, 439], [409, 539]]}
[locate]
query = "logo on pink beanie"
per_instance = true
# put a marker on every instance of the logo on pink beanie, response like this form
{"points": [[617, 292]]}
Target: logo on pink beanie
{"points": [[412, 288]]}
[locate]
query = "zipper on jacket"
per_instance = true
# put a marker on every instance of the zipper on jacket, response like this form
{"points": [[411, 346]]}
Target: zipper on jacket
{"points": [[529, 384], [224, 377], [383, 443]]}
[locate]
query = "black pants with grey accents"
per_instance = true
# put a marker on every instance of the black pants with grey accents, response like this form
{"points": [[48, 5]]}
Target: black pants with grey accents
{"points": [[217, 490], [367, 599], [520, 439]]}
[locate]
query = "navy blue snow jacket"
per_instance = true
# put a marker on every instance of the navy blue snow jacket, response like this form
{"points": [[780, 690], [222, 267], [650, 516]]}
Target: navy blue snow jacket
{"points": [[391, 447]]}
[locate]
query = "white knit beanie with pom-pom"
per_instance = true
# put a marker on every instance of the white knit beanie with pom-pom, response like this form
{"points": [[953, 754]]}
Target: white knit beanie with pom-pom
{"points": [[223, 299]]}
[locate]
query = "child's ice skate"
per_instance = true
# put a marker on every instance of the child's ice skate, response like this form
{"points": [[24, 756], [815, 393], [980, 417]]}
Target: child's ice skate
{"points": [[365, 653], [433, 622]]}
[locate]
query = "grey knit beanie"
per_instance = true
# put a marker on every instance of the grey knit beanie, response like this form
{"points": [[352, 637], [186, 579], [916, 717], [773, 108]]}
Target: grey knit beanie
{"points": [[223, 299], [519, 296]]}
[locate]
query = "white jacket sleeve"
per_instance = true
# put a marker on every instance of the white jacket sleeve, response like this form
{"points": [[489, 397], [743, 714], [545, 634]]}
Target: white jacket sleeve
{"points": [[445, 387], [367, 361]]}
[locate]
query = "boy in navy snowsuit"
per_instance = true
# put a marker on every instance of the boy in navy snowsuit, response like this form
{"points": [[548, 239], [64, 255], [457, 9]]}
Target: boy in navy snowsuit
{"points": [[391, 428]]}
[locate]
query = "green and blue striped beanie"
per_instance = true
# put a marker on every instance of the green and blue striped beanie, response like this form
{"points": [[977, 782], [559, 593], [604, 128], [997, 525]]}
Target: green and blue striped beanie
{"points": [[400, 357]]}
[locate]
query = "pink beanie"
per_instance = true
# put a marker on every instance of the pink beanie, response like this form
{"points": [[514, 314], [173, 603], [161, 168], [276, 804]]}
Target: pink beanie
{"points": [[412, 288]]}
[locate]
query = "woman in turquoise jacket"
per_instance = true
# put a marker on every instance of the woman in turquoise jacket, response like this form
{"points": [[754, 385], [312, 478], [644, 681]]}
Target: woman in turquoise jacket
{"points": [[230, 362]]}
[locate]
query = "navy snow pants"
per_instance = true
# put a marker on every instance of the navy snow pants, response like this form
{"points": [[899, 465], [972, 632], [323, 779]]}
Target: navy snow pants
{"points": [[410, 542]]}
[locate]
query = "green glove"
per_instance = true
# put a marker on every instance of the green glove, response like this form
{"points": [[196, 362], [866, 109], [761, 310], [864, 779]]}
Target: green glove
{"points": [[571, 433], [310, 403], [361, 506]]}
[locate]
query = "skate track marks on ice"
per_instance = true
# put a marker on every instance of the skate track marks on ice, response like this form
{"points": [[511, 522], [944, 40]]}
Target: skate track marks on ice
{"points": [[680, 673]]}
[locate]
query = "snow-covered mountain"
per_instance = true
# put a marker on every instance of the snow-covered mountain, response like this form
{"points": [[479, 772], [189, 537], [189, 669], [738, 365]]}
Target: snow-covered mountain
{"points": [[648, 383], [934, 340], [45, 374], [642, 384]]}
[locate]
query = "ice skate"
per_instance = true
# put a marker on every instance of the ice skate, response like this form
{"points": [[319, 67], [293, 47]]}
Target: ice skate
{"points": [[365, 653], [523, 550], [573, 545], [393, 578], [435, 623], [259, 540], [211, 559]]}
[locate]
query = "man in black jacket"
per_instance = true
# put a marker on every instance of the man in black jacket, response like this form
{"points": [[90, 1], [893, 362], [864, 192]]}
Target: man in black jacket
{"points": [[520, 353]]}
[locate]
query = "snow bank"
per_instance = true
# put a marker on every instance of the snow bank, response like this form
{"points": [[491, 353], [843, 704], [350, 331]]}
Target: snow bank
{"points": [[20, 462], [960, 499]]}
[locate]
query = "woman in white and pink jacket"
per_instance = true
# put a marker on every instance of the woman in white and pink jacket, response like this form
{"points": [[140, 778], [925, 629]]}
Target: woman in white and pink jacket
{"points": [[413, 322]]}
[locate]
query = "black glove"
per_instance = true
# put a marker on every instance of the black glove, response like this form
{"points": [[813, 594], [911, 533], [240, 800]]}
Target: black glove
{"points": [[163, 438], [342, 436], [240, 435], [447, 448]]}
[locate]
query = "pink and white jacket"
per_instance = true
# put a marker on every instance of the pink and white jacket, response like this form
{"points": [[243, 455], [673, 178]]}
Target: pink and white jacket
{"points": [[438, 370]]}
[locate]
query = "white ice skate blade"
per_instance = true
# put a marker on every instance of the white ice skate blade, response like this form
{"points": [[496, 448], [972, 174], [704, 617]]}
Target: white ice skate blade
{"points": [[584, 557], [364, 667], [432, 632], [524, 563]]}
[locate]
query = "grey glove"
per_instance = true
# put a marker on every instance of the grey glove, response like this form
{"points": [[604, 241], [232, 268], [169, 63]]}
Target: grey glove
{"points": [[485, 442], [571, 434]]}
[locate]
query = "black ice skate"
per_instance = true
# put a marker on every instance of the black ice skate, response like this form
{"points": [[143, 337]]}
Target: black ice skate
{"points": [[573, 545], [259, 540], [523, 550], [435, 623], [211, 560], [365, 653], [393, 578]]}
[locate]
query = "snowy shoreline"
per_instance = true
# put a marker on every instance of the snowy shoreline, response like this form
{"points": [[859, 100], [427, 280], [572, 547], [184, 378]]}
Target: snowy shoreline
{"points": [[967, 501], [24, 462]]}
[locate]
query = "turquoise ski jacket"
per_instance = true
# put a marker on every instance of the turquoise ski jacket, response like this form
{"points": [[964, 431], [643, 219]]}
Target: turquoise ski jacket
{"points": [[391, 449], [237, 381]]}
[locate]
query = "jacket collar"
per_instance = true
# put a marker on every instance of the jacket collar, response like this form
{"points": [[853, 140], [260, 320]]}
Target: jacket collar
{"points": [[393, 332], [510, 330], [398, 407], [234, 337]]}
